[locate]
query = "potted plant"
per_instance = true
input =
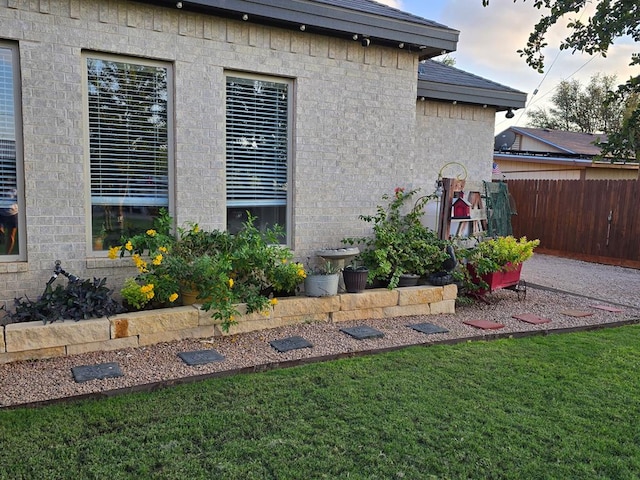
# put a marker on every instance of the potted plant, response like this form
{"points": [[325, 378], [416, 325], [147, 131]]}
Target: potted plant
{"points": [[400, 244], [497, 262], [322, 280], [355, 278]]}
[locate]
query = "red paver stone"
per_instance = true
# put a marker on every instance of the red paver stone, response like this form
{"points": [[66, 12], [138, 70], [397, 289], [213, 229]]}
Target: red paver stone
{"points": [[484, 324], [577, 313], [531, 318], [607, 308]]}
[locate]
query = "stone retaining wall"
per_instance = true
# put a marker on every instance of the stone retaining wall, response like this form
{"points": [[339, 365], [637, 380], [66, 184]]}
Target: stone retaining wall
{"points": [[33, 340]]}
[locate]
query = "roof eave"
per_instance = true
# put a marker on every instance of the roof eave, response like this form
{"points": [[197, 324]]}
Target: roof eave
{"points": [[501, 100], [428, 41]]}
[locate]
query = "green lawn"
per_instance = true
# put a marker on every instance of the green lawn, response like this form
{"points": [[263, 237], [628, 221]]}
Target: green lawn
{"points": [[564, 406]]}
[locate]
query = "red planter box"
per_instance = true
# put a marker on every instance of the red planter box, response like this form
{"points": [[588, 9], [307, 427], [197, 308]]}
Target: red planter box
{"points": [[496, 280]]}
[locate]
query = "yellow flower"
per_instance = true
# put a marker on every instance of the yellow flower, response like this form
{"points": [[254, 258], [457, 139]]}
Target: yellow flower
{"points": [[173, 297], [273, 301], [150, 295], [231, 318], [151, 232], [231, 283], [284, 260], [157, 260], [113, 252], [163, 249], [146, 288], [196, 228], [128, 246]]}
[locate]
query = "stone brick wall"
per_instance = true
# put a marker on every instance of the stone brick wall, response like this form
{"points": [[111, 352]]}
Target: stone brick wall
{"points": [[355, 135]]}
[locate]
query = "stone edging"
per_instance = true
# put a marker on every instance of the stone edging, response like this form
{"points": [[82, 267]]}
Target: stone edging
{"points": [[33, 340]]}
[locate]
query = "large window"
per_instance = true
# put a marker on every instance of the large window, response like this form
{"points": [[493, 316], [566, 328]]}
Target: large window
{"points": [[258, 150], [12, 238], [129, 147]]}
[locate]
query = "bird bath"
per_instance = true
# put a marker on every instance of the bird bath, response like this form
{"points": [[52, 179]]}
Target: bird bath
{"points": [[337, 257]]}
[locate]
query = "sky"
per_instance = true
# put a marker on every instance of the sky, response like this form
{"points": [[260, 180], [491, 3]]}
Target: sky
{"points": [[489, 40]]}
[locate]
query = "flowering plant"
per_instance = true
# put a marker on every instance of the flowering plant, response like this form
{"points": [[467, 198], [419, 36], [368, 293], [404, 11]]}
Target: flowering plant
{"points": [[226, 269], [287, 275], [400, 243]]}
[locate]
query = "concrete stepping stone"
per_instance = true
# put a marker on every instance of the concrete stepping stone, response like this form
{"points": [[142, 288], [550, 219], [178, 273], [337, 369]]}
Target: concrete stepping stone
{"points": [[290, 343], [428, 328], [531, 318], [84, 373], [201, 357], [576, 313], [484, 324], [607, 308], [362, 332]]}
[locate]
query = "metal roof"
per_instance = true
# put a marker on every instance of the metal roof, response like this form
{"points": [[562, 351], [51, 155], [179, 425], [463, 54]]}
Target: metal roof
{"points": [[438, 81], [341, 18]]}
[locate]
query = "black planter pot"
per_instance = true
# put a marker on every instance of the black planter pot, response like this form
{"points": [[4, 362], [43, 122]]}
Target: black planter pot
{"points": [[355, 281], [408, 280]]}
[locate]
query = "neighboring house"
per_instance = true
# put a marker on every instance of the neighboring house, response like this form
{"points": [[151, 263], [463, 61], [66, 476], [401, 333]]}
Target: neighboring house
{"points": [[541, 153], [304, 113]]}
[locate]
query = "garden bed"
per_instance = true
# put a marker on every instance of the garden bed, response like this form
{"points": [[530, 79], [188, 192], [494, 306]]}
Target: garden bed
{"points": [[33, 340]]}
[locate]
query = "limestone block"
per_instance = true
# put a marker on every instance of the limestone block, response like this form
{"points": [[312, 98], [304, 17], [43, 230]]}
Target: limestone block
{"points": [[374, 298], [271, 322], [107, 345], [206, 318], [290, 306], [419, 295], [404, 310], [32, 354], [2, 346], [171, 335], [361, 314], [153, 321], [36, 335], [445, 306], [450, 292]]}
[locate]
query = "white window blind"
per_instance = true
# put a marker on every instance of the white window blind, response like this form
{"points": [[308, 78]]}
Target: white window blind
{"points": [[8, 172], [128, 133], [257, 142]]}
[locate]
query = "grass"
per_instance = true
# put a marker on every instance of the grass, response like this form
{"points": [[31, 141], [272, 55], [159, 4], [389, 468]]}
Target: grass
{"points": [[563, 406]]}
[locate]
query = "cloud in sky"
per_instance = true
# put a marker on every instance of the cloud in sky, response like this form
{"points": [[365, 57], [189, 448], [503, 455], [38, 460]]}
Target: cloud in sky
{"points": [[491, 36]]}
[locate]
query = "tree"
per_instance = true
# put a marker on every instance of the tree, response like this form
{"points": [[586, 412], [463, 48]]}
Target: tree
{"points": [[590, 109], [612, 19]]}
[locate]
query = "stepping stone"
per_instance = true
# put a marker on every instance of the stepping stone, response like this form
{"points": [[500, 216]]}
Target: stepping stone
{"points": [[531, 318], [484, 324], [428, 328], [290, 343], [84, 373], [200, 357], [577, 313], [362, 332], [607, 308]]}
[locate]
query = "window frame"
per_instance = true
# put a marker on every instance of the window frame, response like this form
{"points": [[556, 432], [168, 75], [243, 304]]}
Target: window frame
{"points": [[289, 228], [170, 115], [21, 243]]}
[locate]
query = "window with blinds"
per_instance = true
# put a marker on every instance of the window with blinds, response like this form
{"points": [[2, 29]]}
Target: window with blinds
{"points": [[257, 143], [11, 220], [128, 118]]}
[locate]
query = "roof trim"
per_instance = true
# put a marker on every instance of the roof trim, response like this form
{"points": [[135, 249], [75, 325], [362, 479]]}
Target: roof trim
{"points": [[566, 161], [417, 34], [546, 142], [437, 81]]}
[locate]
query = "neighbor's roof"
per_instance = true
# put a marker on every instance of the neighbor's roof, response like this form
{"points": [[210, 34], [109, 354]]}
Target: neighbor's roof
{"points": [[569, 142], [342, 18], [442, 82]]}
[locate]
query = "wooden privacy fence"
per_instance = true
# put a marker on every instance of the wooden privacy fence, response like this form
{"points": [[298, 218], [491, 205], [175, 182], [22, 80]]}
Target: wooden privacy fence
{"points": [[592, 220]]}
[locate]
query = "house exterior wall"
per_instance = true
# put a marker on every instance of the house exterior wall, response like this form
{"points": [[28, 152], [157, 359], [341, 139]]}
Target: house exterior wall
{"points": [[354, 135], [528, 144], [515, 170], [452, 133]]}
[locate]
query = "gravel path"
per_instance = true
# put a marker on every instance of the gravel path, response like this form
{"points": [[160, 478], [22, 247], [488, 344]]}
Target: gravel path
{"points": [[589, 284]]}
